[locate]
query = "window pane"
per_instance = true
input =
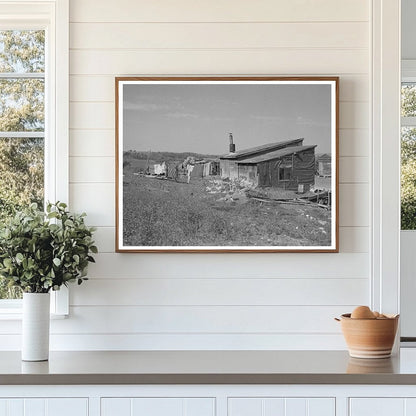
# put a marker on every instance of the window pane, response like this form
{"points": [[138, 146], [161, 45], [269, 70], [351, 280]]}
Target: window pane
{"points": [[408, 178], [21, 173], [22, 51], [408, 143], [408, 102], [21, 182], [22, 104]]}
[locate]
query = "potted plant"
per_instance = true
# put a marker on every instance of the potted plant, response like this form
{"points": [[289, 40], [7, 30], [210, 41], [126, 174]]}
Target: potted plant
{"points": [[40, 252]]}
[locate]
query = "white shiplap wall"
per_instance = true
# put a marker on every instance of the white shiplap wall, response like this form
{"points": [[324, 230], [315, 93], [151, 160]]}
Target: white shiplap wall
{"points": [[218, 301]]}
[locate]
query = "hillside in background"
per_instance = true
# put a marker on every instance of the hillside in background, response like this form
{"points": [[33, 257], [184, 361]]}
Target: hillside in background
{"points": [[164, 156]]}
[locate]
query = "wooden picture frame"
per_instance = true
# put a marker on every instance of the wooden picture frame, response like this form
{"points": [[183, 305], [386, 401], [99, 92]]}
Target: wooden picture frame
{"points": [[227, 164]]}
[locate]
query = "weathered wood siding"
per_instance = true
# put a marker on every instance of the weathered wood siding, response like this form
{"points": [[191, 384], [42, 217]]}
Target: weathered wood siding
{"points": [[301, 168], [304, 168], [229, 168], [248, 172]]}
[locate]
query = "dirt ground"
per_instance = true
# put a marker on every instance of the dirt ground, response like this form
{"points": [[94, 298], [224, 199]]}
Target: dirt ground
{"points": [[211, 212]]}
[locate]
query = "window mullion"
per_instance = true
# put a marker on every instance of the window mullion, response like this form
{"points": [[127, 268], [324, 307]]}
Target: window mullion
{"points": [[408, 121], [22, 75], [22, 134]]}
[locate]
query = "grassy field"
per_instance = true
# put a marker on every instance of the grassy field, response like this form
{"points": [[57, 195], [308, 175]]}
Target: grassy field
{"points": [[203, 213]]}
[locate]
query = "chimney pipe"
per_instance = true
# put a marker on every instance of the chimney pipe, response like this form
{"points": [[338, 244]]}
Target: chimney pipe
{"points": [[232, 145]]}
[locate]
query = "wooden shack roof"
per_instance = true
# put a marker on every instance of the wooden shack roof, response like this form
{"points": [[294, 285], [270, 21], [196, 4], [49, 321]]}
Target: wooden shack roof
{"points": [[261, 149], [277, 154], [324, 157]]}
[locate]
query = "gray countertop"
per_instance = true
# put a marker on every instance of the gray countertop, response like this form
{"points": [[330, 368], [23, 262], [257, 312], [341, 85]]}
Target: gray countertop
{"points": [[207, 367]]}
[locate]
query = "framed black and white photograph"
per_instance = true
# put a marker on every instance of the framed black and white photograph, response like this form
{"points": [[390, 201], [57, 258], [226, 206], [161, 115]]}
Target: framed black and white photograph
{"points": [[227, 164]]}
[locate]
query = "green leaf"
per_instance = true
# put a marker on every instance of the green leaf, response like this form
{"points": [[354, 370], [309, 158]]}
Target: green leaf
{"points": [[56, 262]]}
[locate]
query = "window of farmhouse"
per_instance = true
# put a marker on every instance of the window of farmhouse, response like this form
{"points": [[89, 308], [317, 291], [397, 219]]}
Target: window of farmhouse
{"points": [[285, 173], [22, 124]]}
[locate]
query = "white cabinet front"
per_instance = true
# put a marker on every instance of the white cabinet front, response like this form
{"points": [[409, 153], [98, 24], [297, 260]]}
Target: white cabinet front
{"points": [[270, 406], [382, 406], [146, 406], [44, 407]]}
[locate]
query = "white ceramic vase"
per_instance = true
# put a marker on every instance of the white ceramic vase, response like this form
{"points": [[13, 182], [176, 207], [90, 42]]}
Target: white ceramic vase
{"points": [[35, 326]]}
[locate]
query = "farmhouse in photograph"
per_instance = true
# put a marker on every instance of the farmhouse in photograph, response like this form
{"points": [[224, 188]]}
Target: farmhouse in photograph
{"points": [[286, 164]]}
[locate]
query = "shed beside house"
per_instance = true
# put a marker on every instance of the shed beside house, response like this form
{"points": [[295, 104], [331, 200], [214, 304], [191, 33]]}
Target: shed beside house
{"points": [[160, 168], [324, 165], [197, 171]]}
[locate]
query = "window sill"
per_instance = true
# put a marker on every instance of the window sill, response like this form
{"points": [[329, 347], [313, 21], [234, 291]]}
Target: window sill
{"points": [[13, 315], [11, 309]]}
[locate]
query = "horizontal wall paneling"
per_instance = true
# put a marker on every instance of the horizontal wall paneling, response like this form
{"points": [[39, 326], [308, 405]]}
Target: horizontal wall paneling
{"points": [[222, 291], [266, 265], [166, 341], [99, 88], [218, 11], [300, 61], [204, 301], [218, 36]]}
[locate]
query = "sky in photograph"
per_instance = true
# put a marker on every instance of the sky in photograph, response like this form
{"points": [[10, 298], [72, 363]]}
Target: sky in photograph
{"points": [[198, 118]]}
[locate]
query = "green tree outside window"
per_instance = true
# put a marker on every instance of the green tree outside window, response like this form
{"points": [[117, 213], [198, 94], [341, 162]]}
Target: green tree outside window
{"points": [[22, 125]]}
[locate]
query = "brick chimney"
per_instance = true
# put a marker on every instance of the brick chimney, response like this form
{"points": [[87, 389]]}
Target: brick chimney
{"points": [[232, 145]]}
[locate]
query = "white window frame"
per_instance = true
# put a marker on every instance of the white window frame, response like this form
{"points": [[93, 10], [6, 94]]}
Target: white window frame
{"points": [[53, 17], [385, 150], [408, 237], [408, 75]]}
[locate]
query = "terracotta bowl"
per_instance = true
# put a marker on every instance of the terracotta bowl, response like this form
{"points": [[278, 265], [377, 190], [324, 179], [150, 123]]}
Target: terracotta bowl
{"points": [[369, 338]]}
